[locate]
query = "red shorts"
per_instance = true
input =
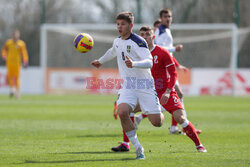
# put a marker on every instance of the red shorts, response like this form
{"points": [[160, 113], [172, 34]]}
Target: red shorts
{"points": [[173, 103]]}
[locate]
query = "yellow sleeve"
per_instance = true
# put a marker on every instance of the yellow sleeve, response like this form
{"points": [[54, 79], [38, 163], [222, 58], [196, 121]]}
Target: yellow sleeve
{"points": [[4, 51], [24, 52]]}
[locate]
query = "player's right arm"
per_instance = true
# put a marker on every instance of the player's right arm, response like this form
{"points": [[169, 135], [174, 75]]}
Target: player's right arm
{"points": [[168, 48], [109, 55], [176, 48]]}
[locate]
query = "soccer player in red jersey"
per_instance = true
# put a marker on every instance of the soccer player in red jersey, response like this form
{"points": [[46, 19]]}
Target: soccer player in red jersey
{"points": [[165, 75], [163, 37]]}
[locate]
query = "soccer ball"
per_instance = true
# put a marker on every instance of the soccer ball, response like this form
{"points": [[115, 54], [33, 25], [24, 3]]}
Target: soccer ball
{"points": [[83, 42]]}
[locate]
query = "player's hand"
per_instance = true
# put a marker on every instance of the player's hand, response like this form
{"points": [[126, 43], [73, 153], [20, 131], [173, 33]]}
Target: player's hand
{"points": [[25, 64], [178, 48], [181, 67], [165, 97], [96, 63], [129, 62]]}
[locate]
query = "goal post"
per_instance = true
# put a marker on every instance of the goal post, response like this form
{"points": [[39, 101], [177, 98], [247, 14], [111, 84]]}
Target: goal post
{"points": [[206, 46], [234, 43]]}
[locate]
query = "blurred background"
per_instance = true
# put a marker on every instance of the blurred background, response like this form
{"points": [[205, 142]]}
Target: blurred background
{"points": [[29, 15]]}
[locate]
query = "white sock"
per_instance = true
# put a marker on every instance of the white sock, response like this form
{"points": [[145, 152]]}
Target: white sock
{"points": [[140, 116], [174, 128], [185, 124], [199, 146], [131, 114], [133, 139], [126, 143]]}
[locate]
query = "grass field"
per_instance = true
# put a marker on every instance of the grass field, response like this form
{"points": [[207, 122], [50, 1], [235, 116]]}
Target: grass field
{"points": [[79, 130]]}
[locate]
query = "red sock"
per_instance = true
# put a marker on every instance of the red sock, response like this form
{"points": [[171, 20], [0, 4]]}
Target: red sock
{"points": [[125, 138], [144, 116], [191, 133], [174, 123], [115, 105], [132, 118]]}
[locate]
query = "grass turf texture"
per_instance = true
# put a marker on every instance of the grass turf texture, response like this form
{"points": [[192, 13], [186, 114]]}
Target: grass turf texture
{"points": [[79, 130]]}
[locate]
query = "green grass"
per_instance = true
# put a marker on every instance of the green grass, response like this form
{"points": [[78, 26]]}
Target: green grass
{"points": [[79, 130]]}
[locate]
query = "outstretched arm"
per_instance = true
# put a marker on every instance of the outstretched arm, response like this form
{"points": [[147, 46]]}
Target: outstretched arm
{"points": [[176, 48], [109, 55]]}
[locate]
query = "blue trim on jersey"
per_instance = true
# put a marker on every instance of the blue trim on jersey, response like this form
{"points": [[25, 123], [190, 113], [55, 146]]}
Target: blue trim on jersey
{"points": [[138, 40], [162, 29]]}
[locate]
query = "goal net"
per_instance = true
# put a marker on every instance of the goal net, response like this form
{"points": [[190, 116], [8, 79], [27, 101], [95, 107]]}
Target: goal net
{"points": [[210, 52]]}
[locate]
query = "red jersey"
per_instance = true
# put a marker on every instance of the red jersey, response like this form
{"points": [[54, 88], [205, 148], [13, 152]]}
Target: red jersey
{"points": [[175, 62], [162, 60], [165, 75]]}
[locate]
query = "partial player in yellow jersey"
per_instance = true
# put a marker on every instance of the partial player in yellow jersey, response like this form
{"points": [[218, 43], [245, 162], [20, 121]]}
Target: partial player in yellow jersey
{"points": [[14, 53]]}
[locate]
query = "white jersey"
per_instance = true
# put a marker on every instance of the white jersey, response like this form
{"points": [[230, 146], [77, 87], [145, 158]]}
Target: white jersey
{"points": [[136, 48], [163, 37]]}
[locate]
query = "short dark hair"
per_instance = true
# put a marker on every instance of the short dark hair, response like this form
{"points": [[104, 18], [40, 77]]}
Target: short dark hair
{"points": [[146, 28], [165, 10], [128, 16], [158, 21]]}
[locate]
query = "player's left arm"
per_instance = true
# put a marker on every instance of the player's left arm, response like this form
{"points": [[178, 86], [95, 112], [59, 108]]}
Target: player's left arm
{"points": [[145, 56], [109, 55], [169, 64], [25, 56]]}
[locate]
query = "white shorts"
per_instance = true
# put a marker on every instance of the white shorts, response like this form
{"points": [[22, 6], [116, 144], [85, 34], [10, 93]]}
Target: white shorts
{"points": [[148, 100]]}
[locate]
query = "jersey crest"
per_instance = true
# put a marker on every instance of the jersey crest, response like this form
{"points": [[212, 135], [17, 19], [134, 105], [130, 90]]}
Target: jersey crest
{"points": [[128, 48]]}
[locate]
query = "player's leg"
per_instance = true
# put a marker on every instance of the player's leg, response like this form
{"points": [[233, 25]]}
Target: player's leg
{"points": [[10, 76], [174, 127], [139, 118], [150, 105], [180, 95], [175, 107], [126, 104], [123, 110], [188, 129], [156, 119], [115, 111]]}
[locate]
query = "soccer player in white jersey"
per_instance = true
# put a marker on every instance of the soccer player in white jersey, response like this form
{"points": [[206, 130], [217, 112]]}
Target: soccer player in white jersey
{"points": [[164, 74], [134, 62], [163, 37]]}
